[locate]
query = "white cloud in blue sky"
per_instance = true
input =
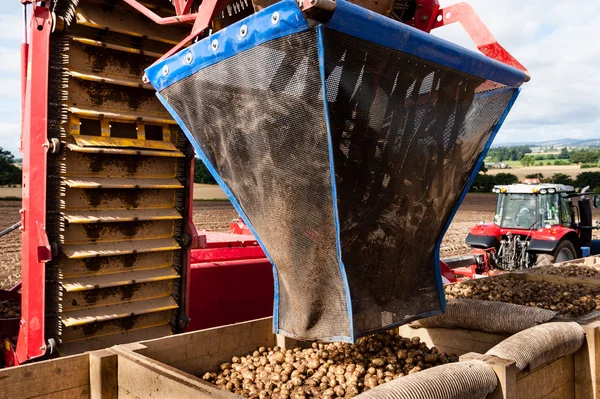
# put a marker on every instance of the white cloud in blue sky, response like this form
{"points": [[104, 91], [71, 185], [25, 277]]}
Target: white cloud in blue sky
{"points": [[552, 39], [11, 35], [559, 48]]}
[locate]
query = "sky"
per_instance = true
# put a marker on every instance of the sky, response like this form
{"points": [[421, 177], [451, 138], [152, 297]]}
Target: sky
{"points": [[554, 40]]}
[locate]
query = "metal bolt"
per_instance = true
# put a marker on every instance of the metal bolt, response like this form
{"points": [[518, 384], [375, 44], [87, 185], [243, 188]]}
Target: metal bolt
{"points": [[424, 18], [166, 70], [189, 57], [275, 18], [243, 31], [215, 45]]}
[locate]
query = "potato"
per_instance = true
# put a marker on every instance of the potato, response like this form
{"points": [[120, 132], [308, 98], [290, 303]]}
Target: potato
{"points": [[326, 370], [571, 300]]}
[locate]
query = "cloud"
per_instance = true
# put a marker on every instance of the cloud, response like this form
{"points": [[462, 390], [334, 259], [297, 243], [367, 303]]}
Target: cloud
{"points": [[12, 27], [559, 48], [10, 133], [562, 99], [10, 92]]}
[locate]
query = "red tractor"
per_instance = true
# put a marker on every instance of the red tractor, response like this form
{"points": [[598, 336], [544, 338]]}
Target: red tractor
{"points": [[535, 224]]}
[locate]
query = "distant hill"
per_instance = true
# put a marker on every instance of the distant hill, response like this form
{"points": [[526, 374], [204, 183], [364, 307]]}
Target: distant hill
{"points": [[560, 142]]}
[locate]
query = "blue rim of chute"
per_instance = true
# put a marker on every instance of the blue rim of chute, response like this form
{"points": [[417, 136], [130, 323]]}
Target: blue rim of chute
{"points": [[347, 18]]}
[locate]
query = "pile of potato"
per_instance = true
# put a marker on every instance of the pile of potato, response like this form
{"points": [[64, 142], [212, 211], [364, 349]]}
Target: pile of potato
{"points": [[571, 300], [572, 270], [10, 309], [326, 370]]}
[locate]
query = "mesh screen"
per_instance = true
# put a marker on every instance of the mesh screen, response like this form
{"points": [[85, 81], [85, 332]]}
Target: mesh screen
{"points": [[259, 118], [406, 136]]}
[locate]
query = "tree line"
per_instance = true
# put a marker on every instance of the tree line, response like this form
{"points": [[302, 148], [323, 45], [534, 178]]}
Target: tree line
{"points": [[9, 173], [484, 183]]}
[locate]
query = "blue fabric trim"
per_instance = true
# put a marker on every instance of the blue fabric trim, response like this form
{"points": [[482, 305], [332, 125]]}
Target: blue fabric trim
{"points": [[336, 218], [260, 29], [359, 22], [231, 198], [468, 186]]}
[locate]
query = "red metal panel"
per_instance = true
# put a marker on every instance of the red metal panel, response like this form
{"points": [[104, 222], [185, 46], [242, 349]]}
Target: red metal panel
{"points": [[425, 15], [203, 17], [477, 31], [229, 292], [31, 342], [226, 253]]}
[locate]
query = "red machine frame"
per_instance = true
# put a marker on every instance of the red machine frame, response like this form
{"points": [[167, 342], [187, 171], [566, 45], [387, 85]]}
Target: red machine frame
{"points": [[35, 145]]}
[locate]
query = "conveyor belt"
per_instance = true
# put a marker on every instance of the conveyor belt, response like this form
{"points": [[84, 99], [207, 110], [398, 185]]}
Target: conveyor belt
{"points": [[117, 194]]}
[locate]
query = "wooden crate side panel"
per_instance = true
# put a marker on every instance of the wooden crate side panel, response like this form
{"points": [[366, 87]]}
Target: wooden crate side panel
{"points": [[66, 377], [587, 364], [456, 341], [72, 393], [548, 381], [140, 377], [201, 351], [103, 375]]}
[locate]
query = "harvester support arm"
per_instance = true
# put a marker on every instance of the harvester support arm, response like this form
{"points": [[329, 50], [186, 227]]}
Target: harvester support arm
{"points": [[34, 146], [201, 19], [477, 31], [179, 18]]}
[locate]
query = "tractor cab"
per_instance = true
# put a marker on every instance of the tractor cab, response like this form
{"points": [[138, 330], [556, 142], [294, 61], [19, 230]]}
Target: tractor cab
{"points": [[532, 205], [534, 224]]}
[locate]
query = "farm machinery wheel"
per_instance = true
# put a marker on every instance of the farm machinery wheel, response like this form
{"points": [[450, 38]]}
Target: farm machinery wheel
{"points": [[564, 251]]}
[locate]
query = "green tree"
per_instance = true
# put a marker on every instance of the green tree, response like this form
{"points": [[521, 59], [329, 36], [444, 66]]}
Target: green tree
{"points": [[591, 179], [9, 173], [584, 156], [561, 178], [527, 161], [534, 176], [564, 153], [505, 178], [201, 173], [483, 183]]}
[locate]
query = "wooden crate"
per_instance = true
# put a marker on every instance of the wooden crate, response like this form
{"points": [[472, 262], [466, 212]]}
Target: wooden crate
{"points": [[454, 340], [556, 380], [66, 377], [171, 367]]}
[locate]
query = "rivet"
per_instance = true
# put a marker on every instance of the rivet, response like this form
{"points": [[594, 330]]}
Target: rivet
{"points": [[275, 18], [166, 70], [215, 45], [189, 57], [243, 31]]}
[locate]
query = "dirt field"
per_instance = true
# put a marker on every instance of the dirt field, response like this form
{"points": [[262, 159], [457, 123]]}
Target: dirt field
{"points": [[547, 171], [10, 245], [216, 216]]}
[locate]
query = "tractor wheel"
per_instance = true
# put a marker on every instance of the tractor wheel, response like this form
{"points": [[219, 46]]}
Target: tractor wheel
{"points": [[564, 251]]}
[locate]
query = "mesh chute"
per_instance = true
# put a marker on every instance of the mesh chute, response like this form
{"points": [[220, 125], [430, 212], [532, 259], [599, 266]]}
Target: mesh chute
{"points": [[346, 155]]}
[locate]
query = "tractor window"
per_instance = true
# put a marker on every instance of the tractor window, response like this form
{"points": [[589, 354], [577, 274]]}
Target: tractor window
{"points": [[520, 211], [565, 210], [549, 209]]}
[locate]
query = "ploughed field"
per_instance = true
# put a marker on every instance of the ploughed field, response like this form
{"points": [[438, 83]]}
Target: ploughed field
{"points": [[216, 216]]}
